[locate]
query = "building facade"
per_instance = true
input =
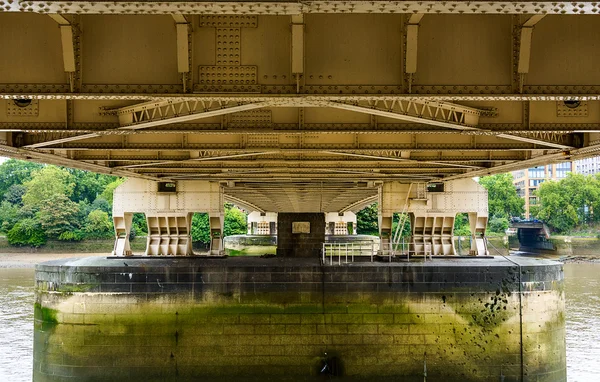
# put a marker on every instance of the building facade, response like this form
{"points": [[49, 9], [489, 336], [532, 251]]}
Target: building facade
{"points": [[527, 181], [588, 166]]}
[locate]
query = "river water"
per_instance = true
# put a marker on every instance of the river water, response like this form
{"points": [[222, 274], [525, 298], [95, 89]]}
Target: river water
{"points": [[583, 323]]}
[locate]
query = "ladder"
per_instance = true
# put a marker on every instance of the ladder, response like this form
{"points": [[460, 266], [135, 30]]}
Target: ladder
{"points": [[403, 217]]}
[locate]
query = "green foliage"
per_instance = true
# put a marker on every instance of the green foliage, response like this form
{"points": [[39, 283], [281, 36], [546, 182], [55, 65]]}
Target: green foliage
{"points": [[406, 231], [367, 221], [200, 228], [235, 221], [235, 224], [15, 171], [503, 200], [107, 194], [9, 215], [98, 225], [88, 185], [45, 184], [103, 205], [14, 194], [461, 225], [556, 206], [27, 232], [139, 224], [76, 235], [58, 214], [498, 225], [570, 202]]}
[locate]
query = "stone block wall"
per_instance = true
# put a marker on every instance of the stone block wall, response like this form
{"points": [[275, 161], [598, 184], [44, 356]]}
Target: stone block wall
{"points": [[238, 320], [290, 244]]}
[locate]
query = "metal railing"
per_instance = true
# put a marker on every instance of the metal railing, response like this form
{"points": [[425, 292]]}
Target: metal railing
{"points": [[347, 251]]}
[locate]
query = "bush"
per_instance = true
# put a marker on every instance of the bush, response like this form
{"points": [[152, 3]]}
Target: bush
{"points": [[498, 225], [76, 235], [27, 232], [98, 225], [132, 233]]}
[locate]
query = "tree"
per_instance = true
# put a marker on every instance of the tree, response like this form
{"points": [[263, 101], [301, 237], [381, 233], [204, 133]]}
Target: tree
{"points": [[200, 228], [235, 221], [9, 215], [58, 215], [14, 194], [367, 221], [98, 225], [107, 194], [498, 225], [88, 185], [461, 225], [139, 224], [45, 184], [555, 206], [27, 232], [102, 204], [503, 200], [15, 171]]}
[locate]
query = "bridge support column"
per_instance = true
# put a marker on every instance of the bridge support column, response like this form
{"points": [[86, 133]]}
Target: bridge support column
{"points": [[216, 221], [122, 229], [169, 234], [478, 224], [432, 209], [262, 223], [169, 207], [340, 223]]}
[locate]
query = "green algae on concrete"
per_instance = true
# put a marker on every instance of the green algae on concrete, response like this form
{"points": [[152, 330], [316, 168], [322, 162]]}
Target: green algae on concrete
{"points": [[232, 333]]}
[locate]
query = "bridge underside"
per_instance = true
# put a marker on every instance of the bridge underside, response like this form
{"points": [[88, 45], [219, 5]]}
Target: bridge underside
{"points": [[299, 107]]}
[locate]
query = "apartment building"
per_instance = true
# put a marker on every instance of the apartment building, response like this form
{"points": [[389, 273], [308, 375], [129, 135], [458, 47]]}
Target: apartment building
{"points": [[528, 181]]}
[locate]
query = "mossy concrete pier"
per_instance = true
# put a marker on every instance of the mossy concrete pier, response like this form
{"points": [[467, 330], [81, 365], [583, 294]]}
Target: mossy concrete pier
{"points": [[178, 319]]}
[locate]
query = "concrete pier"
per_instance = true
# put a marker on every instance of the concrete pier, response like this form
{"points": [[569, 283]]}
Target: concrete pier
{"points": [[179, 319]]}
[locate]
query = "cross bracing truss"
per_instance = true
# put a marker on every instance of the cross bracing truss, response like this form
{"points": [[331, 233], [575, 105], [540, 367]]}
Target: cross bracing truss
{"points": [[435, 113], [328, 101]]}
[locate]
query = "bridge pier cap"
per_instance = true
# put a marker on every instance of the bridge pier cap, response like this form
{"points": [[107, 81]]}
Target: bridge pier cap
{"points": [[432, 209], [168, 207]]}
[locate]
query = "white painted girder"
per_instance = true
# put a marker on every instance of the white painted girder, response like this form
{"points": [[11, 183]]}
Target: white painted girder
{"points": [[294, 7]]}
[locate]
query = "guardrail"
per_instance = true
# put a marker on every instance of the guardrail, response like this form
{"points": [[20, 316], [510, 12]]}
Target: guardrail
{"points": [[347, 250]]}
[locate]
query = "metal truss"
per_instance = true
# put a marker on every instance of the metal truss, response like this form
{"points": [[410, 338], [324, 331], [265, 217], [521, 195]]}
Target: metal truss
{"points": [[435, 113], [555, 129], [153, 114], [518, 165], [287, 7]]}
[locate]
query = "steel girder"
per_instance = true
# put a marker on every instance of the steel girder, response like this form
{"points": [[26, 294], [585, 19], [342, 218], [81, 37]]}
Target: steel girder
{"points": [[288, 7]]}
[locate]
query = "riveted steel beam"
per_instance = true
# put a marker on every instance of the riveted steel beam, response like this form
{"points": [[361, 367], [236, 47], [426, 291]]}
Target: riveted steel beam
{"points": [[290, 7], [154, 114], [434, 113]]}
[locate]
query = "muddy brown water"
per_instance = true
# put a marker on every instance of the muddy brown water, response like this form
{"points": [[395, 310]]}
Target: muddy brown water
{"points": [[583, 321]]}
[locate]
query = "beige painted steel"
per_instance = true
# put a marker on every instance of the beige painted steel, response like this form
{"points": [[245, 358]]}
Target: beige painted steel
{"points": [[168, 215], [433, 214], [169, 234], [299, 106]]}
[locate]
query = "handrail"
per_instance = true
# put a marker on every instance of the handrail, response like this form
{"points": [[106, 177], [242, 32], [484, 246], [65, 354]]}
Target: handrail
{"points": [[352, 249]]}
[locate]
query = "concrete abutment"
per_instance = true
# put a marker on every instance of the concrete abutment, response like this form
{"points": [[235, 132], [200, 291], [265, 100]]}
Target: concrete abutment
{"points": [[272, 319]]}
